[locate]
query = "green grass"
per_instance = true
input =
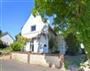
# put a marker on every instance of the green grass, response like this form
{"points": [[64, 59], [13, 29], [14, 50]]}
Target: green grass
{"points": [[71, 60]]}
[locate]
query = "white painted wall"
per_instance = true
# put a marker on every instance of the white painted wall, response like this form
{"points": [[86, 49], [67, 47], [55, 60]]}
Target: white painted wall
{"points": [[36, 46], [27, 33], [43, 41], [7, 39], [27, 46], [26, 30], [61, 44]]}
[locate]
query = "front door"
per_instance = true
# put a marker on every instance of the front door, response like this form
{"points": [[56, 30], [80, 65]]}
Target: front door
{"points": [[32, 46]]}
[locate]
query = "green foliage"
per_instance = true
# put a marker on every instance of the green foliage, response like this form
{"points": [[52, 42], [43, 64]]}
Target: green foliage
{"points": [[73, 45], [74, 60], [16, 46], [0, 32], [19, 43], [52, 45], [6, 50], [71, 16], [2, 45]]}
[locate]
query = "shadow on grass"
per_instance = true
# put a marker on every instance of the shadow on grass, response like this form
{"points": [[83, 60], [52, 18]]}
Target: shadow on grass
{"points": [[74, 61]]}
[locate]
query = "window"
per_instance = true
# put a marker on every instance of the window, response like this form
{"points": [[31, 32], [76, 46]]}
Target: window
{"points": [[33, 28], [45, 45]]}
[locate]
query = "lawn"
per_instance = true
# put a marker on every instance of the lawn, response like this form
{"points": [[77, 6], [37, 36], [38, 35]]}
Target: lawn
{"points": [[74, 61]]}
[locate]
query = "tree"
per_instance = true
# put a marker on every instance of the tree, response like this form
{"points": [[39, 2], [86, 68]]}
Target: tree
{"points": [[0, 32], [73, 44], [52, 45], [69, 16], [0, 40], [19, 43], [2, 45]]}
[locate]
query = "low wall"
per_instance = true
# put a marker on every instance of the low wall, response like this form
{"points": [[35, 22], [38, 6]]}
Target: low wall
{"points": [[39, 59], [5, 57], [53, 60], [20, 57], [30, 58]]}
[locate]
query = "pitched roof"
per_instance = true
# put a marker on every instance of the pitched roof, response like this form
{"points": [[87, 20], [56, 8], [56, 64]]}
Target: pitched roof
{"points": [[3, 34], [6, 33]]}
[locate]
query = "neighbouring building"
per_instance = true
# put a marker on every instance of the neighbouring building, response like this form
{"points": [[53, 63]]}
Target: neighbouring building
{"points": [[38, 33], [6, 38]]}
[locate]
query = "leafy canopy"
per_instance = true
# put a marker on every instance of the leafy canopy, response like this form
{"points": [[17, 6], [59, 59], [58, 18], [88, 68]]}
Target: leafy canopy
{"points": [[70, 16]]}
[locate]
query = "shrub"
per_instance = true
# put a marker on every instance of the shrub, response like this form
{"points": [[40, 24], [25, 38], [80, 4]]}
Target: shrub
{"points": [[19, 43], [72, 43], [52, 45], [16, 46], [2, 45]]}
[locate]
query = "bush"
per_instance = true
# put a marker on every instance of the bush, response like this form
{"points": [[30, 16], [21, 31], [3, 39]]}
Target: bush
{"points": [[5, 50], [16, 46], [73, 45], [2, 45], [52, 45], [19, 43]]}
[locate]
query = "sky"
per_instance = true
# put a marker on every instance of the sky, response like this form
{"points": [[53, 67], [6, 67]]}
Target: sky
{"points": [[14, 14]]}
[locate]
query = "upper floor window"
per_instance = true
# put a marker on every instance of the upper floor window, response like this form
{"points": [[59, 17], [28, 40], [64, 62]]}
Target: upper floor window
{"points": [[33, 28]]}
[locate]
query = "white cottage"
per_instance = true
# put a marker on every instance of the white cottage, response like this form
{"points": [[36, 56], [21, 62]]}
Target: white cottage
{"points": [[38, 33], [6, 38]]}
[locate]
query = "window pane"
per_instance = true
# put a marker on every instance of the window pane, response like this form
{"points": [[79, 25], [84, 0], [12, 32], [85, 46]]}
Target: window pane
{"points": [[33, 28]]}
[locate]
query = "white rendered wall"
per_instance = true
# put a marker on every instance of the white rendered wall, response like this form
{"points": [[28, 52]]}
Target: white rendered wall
{"points": [[26, 30], [61, 44], [27, 46], [43, 41], [35, 46], [7, 39]]}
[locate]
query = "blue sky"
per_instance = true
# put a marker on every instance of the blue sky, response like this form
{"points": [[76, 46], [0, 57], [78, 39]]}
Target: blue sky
{"points": [[14, 14]]}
